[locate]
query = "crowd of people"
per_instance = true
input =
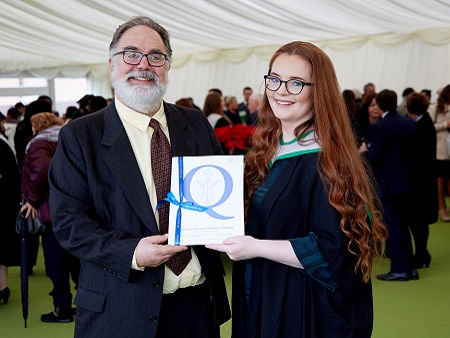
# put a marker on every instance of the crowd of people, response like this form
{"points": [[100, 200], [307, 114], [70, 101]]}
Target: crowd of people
{"points": [[29, 138], [331, 179], [406, 147], [224, 110]]}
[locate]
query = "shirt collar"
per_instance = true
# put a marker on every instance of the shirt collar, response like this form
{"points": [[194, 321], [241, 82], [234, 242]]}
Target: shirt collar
{"points": [[418, 118], [139, 120]]}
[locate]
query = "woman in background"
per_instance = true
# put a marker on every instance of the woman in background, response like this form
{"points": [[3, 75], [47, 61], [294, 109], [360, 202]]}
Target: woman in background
{"points": [[213, 110], [368, 114], [22, 135], [440, 115], [231, 110], [59, 264]]}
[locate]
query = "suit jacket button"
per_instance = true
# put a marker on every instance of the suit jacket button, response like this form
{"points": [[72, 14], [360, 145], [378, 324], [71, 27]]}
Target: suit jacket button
{"points": [[156, 284], [153, 319]]}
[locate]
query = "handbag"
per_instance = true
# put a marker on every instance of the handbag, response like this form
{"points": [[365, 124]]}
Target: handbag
{"points": [[33, 227]]}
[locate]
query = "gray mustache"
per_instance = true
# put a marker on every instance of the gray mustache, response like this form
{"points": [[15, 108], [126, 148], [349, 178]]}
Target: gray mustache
{"points": [[145, 74]]}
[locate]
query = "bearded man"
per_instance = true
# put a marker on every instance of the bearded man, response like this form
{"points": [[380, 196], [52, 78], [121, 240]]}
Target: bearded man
{"points": [[104, 193]]}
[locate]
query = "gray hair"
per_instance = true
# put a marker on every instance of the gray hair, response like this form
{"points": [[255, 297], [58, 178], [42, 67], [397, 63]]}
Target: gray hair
{"points": [[142, 21], [256, 96]]}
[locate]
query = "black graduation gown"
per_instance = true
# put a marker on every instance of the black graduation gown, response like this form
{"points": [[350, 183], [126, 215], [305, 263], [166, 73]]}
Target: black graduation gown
{"points": [[284, 301]]}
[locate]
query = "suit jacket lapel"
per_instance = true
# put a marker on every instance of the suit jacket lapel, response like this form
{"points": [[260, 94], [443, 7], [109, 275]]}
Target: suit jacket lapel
{"points": [[121, 161]]}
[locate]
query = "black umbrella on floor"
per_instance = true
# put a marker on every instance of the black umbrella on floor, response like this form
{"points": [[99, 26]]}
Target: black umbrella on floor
{"points": [[27, 228], [22, 227]]}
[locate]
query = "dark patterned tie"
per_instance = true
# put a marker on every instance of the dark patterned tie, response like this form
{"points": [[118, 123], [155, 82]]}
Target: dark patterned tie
{"points": [[161, 154]]}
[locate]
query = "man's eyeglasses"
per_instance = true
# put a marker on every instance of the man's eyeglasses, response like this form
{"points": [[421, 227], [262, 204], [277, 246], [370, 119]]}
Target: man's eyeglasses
{"points": [[293, 86], [132, 57]]}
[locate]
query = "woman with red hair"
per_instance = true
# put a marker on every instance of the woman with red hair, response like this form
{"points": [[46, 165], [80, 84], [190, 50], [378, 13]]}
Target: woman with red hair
{"points": [[313, 220]]}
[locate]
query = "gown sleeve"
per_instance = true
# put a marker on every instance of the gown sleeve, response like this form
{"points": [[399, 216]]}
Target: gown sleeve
{"points": [[314, 264]]}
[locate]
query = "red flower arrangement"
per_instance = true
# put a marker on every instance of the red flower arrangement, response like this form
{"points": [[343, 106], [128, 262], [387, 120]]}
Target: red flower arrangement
{"points": [[235, 137]]}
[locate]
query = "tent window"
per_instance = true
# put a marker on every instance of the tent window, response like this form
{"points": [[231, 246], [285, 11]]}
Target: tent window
{"points": [[64, 91]]}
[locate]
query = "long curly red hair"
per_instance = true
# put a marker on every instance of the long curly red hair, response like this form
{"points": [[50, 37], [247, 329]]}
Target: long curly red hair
{"points": [[352, 190]]}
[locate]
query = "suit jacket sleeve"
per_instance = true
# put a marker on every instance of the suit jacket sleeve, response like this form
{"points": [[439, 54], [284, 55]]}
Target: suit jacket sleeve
{"points": [[376, 144], [84, 226]]}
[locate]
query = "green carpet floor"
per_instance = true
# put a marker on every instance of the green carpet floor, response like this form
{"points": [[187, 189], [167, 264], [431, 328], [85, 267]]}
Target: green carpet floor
{"points": [[402, 309]]}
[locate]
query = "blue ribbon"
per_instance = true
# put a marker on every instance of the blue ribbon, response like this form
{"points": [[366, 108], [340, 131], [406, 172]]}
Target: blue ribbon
{"points": [[186, 205]]}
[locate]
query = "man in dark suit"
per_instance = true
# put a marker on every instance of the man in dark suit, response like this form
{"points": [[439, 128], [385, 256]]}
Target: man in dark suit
{"points": [[391, 155], [243, 109], [425, 202], [103, 203], [254, 101]]}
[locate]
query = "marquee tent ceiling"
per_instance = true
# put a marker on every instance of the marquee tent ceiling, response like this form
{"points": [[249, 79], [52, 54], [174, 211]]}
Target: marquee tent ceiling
{"points": [[48, 33], [227, 43]]}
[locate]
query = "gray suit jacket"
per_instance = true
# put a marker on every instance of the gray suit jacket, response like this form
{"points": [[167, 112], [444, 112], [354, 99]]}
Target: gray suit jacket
{"points": [[101, 209]]}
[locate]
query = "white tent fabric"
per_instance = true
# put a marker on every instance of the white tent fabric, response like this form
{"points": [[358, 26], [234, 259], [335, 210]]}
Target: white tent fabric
{"points": [[227, 43]]}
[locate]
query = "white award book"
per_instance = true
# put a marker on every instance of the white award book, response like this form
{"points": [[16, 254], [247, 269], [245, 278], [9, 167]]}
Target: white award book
{"points": [[206, 199]]}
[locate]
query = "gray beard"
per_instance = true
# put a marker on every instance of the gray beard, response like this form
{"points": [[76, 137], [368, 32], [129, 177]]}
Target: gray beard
{"points": [[145, 99]]}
